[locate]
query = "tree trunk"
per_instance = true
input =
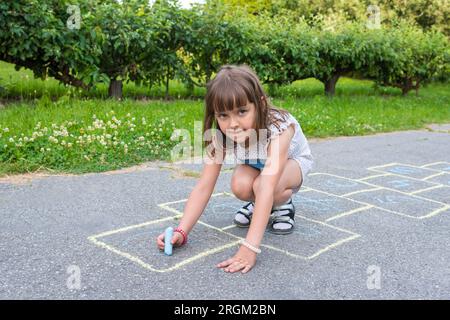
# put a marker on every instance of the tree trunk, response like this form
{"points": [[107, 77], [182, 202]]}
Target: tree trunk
{"points": [[115, 89], [405, 90], [190, 89], [330, 85], [167, 86]]}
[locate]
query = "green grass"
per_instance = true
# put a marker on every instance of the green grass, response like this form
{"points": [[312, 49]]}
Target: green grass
{"points": [[22, 85], [88, 144]]}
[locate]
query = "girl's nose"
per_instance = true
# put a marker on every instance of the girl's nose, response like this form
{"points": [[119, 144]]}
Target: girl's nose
{"points": [[234, 123]]}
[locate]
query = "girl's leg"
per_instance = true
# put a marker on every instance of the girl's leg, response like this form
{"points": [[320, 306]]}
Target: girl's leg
{"points": [[242, 182], [242, 187], [290, 179]]}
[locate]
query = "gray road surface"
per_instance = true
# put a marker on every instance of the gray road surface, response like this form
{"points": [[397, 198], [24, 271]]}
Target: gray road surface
{"points": [[373, 222]]}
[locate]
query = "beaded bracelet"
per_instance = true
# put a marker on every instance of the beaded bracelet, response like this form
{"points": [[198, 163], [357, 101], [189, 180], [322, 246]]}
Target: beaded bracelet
{"points": [[183, 233], [248, 245]]}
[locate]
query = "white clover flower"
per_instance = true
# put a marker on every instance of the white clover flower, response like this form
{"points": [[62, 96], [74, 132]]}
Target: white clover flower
{"points": [[42, 150], [11, 139], [141, 138], [5, 129], [69, 145]]}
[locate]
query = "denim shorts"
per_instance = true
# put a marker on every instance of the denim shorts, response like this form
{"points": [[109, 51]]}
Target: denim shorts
{"points": [[259, 165]]}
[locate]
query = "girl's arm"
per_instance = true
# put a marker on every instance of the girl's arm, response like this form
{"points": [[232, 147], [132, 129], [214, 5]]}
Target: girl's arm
{"points": [[199, 197]]}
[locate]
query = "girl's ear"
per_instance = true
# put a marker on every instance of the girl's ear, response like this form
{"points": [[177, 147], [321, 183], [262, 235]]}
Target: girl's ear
{"points": [[263, 98]]}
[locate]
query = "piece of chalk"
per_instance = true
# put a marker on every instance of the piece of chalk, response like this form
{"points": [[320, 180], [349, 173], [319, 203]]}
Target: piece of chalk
{"points": [[168, 241]]}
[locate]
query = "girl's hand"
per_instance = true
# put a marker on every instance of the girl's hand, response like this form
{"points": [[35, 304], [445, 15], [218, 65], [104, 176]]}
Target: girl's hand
{"points": [[177, 240], [243, 260]]}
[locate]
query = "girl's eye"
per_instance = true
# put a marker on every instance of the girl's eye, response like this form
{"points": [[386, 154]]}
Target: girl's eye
{"points": [[222, 115], [242, 111]]}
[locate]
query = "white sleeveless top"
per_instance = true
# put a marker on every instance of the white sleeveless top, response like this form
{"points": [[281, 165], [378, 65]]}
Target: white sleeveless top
{"points": [[298, 150]]}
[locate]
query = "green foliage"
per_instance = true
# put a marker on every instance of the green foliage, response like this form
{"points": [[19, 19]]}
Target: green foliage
{"points": [[152, 45], [35, 35]]}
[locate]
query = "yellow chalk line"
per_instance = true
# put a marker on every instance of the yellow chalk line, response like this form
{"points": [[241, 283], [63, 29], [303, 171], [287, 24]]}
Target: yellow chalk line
{"points": [[108, 233], [435, 175], [374, 176], [427, 189], [434, 163], [360, 191], [334, 245], [349, 213], [435, 212]]}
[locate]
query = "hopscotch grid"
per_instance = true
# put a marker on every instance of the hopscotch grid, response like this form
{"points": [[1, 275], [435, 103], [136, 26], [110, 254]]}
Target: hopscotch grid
{"points": [[406, 165], [383, 187], [150, 267], [369, 204], [145, 265], [352, 236], [165, 206]]}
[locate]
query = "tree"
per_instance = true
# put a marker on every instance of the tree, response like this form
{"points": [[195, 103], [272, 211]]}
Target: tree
{"points": [[35, 35]]}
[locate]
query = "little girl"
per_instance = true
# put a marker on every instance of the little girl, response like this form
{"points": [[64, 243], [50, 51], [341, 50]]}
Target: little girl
{"points": [[272, 155]]}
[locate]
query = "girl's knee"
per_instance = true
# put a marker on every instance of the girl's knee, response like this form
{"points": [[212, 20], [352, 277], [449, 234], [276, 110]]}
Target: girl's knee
{"points": [[242, 189], [281, 197]]}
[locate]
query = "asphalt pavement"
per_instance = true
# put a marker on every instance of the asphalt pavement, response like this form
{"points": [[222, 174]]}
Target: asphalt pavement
{"points": [[372, 222]]}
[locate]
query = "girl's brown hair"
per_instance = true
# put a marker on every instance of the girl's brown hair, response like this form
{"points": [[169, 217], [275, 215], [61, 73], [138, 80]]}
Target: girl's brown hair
{"points": [[235, 86]]}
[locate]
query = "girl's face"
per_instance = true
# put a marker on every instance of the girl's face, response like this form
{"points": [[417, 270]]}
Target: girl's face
{"points": [[238, 123]]}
